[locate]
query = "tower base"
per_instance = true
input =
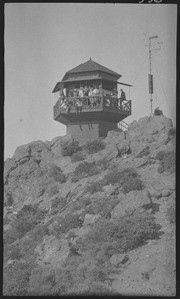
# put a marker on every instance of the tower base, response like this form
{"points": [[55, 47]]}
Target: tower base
{"points": [[89, 131]]}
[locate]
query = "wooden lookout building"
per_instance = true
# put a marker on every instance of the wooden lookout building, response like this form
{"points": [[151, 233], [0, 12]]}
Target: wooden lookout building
{"points": [[87, 102]]}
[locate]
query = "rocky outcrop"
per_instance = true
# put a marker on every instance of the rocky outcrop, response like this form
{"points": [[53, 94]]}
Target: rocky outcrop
{"points": [[72, 209]]}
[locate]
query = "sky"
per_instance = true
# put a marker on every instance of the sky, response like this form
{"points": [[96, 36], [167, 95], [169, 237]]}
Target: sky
{"points": [[45, 40]]}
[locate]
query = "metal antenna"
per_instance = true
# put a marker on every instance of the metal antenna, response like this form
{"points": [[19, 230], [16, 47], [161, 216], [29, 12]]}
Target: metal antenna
{"points": [[150, 76]]}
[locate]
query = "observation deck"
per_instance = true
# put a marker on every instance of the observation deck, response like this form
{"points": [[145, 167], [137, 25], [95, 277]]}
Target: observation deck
{"points": [[104, 108]]}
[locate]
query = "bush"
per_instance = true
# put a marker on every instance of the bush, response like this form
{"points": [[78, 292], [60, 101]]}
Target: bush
{"points": [[68, 222], [42, 280], [94, 187], [112, 177], [103, 206], [84, 169], [128, 178], [76, 157], [95, 146], [172, 133], [27, 218], [53, 190], [122, 235], [39, 232], [28, 245], [57, 204], [171, 214], [103, 164], [6, 220], [11, 235], [132, 183], [56, 172], [81, 276], [69, 147], [12, 252], [15, 280], [8, 199], [167, 161]]}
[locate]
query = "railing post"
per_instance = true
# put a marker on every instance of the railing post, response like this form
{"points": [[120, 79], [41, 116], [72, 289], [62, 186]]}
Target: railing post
{"points": [[102, 102]]}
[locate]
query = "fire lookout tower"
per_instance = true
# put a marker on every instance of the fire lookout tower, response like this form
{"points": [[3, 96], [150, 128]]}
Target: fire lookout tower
{"points": [[87, 101]]}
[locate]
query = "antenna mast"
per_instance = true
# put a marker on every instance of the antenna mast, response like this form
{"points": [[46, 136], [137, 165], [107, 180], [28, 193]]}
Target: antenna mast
{"points": [[150, 76]]}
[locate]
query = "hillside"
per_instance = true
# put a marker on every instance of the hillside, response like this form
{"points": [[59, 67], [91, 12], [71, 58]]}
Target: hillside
{"points": [[97, 219]]}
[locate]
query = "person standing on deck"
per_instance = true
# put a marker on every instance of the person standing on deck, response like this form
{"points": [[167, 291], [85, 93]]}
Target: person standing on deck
{"points": [[81, 92], [123, 95], [122, 98]]}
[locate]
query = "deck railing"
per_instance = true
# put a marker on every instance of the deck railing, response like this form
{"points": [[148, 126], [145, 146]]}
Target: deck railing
{"points": [[106, 103]]}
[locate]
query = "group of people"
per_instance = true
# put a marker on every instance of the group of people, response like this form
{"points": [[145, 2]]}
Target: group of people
{"points": [[81, 92], [91, 92]]}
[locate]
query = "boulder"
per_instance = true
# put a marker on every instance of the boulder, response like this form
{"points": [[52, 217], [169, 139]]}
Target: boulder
{"points": [[40, 152], [143, 150], [166, 192], [153, 124], [157, 194], [109, 189], [9, 165], [114, 137], [143, 122], [117, 258], [163, 139], [22, 151], [37, 145], [91, 219]]}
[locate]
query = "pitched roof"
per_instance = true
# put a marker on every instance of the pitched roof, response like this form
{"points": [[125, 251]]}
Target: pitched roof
{"points": [[89, 66]]}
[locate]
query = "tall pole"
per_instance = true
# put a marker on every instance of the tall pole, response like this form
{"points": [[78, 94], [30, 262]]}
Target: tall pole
{"points": [[150, 75]]}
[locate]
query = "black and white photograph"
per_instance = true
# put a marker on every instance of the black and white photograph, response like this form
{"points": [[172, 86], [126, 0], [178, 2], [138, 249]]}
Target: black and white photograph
{"points": [[89, 204]]}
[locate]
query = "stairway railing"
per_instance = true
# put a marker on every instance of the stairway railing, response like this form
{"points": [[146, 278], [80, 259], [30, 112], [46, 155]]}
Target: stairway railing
{"points": [[123, 125]]}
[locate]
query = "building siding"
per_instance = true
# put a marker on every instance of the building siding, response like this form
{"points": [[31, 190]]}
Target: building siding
{"points": [[89, 131]]}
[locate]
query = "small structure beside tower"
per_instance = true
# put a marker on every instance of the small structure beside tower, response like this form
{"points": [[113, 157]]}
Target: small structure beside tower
{"points": [[87, 102]]}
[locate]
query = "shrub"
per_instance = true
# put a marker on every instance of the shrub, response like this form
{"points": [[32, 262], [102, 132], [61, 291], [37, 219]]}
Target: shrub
{"points": [[28, 245], [27, 218], [56, 172], [68, 222], [167, 161], [122, 235], [103, 206], [128, 178], [132, 183], [94, 187], [84, 169], [171, 214], [112, 177], [172, 133], [57, 204], [6, 220], [12, 252], [53, 190], [8, 200], [81, 276], [11, 235], [79, 156], [41, 281], [69, 147], [15, 280], [39, 232], [95, 146], [103, 164]]}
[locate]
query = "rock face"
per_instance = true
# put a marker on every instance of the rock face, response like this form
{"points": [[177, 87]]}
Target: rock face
{"points": [[71, 207]]}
